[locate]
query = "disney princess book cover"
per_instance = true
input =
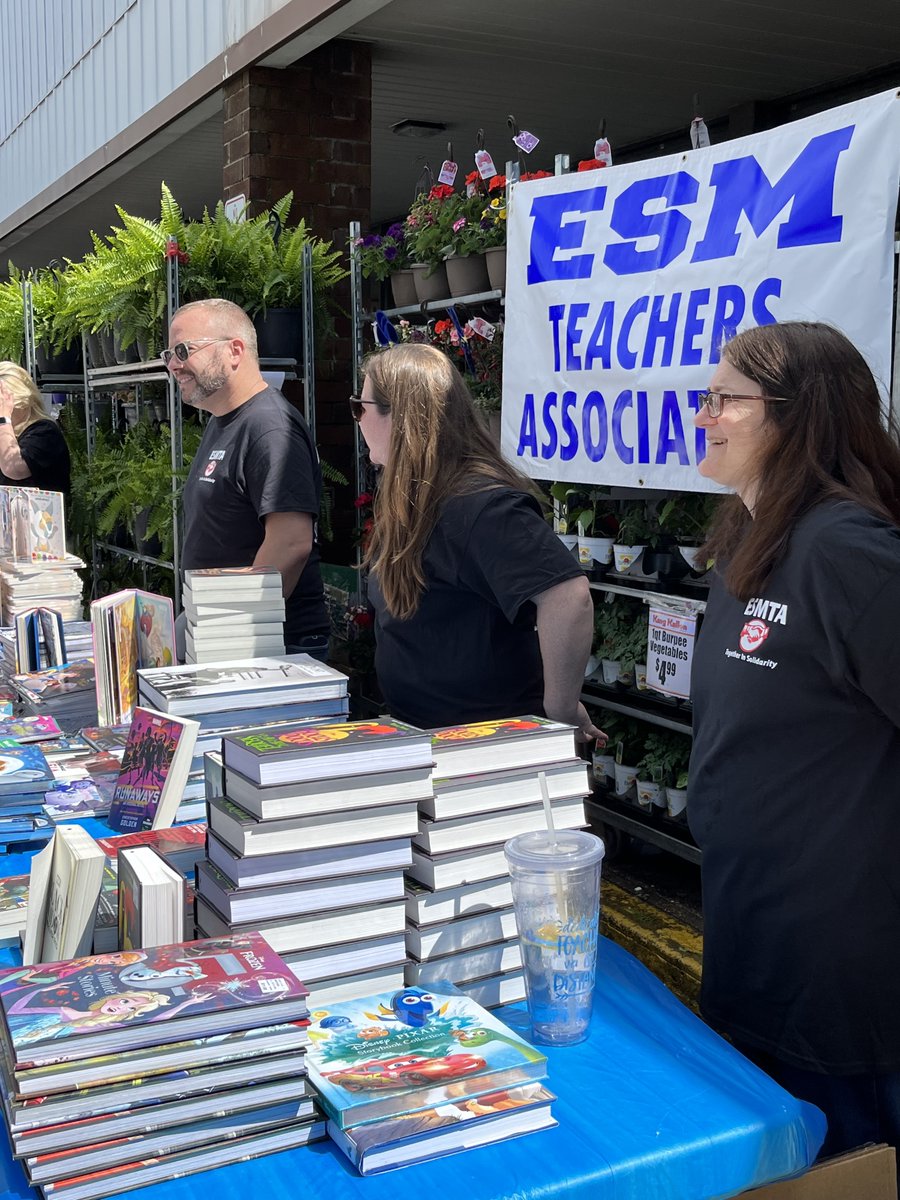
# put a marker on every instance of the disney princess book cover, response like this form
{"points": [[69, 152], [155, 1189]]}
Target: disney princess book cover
{"points": [[412, 1049], [95, 1005]]}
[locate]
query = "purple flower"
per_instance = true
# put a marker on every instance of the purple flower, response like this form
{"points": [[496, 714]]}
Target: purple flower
{"points": [[486, 223], [395, 232], [371, 241], [390, 253]]}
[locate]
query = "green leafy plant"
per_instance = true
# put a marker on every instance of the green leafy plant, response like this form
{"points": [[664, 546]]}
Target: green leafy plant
{"points": [[12, 319], [381, 254], [429, 226], [687, 516], [597, 516], [665, 758], [629, 645], [470, 231], [612, 619], [637, 525]]}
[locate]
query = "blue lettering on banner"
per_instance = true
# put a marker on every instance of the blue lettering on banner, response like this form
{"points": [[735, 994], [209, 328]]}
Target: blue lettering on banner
{"points": [[569, 449], [742, 189]]}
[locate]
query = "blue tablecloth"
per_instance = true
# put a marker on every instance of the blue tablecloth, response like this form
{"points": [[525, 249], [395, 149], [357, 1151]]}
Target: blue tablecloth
{"points": [[654, 1106]]}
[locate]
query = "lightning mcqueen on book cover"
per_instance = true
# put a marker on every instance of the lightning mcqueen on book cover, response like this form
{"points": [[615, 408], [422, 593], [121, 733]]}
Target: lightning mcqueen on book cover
{"points": [[402, 1051]]}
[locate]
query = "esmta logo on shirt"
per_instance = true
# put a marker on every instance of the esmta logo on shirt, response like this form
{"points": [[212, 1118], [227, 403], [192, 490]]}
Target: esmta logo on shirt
{"points": [[764, 614], [215, 458]]}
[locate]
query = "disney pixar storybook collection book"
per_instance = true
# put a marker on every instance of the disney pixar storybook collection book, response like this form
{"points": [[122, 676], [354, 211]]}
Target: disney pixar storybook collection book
{"points": [[399, 1052]]}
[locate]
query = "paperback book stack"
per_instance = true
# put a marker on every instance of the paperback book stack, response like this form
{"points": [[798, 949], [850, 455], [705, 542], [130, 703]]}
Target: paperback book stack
{"points": [[35, 567], [490, 780], [24, 778], [66, 693], [243, 694], [78, 644], [196, 1061], [232, 611], [412, 1075], [308, 843]]}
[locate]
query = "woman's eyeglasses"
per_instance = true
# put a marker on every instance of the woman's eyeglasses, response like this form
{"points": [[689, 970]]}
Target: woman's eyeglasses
{"points": [[356, 407], [715, 401], [183, 350]]}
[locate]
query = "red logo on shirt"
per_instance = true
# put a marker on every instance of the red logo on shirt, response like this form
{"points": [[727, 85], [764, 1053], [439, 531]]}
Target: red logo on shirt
{"points": [[753, 635], [210, 467]]}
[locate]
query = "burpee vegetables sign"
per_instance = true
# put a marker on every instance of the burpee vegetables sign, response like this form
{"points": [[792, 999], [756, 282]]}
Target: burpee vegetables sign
{"points": [[623, 283]]}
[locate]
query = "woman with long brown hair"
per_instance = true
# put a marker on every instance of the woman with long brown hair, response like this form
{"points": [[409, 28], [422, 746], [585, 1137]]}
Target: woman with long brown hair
{"points": [[33, 451], [480, 611], [794, 794]]}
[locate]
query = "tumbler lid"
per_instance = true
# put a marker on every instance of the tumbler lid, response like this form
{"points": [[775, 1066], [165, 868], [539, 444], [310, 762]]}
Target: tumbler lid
{"points": [[562, 850]]}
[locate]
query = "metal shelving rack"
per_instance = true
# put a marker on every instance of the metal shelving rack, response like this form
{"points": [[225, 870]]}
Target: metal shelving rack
{"points": [[136, 376]]}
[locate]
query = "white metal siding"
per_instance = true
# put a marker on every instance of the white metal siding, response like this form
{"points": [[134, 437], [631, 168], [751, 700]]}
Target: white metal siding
{"points": [[78, 72]]}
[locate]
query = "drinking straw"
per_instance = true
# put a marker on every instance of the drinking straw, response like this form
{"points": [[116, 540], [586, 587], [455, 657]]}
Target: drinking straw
{"points": [[562, 906]]}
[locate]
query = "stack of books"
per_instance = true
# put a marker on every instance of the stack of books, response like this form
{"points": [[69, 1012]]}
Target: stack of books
{"points": [[35, 568], [77, 636], [489, 784], [232, 611], [24, 778], [204, 1066], [13, 909], [308, 843], [131, 629], [54, 584], [243, 694], [66, 693], [412, 1075]]}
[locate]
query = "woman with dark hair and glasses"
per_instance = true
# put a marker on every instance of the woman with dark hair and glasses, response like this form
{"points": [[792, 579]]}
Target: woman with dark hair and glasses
{"points": [[795, 772], [480, 612]]}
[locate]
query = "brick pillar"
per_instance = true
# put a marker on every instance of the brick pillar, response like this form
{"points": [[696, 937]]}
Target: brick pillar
{"points": [[307, 129]]}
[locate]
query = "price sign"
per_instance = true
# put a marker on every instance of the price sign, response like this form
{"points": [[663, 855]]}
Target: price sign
{"points": [[670, 651]]}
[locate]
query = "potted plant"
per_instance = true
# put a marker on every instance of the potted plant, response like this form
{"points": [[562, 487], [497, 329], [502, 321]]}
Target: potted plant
{"points": [[637, 530], [12, 318], [685, 518], [628, 752], [493, 223], [429, 228], [464, 252], [565, 522], [386, 256], [603, 760], [612, 619], [663, 750], [629, 647], [597, 526]]}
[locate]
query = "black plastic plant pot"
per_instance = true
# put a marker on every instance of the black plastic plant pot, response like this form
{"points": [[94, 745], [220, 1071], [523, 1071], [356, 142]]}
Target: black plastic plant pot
{"points": [[67, 362], [279, 333]]}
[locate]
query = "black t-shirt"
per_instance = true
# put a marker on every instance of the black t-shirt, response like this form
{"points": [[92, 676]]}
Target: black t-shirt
{"points": [[470, 652], [46, 455], [794, 799], [257, 459]]}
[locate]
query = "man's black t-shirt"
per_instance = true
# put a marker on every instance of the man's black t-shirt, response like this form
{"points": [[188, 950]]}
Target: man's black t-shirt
{"points": [[46, 455], [470, 652], [257, 459], [794, 799]]}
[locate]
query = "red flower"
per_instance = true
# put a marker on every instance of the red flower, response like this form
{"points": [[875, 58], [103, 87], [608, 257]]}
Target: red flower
{"points": [[442, 327], [362, 500], [497, 183], [440, 191], [472, 178], [590, 164], [363, 619], [535, 175]]}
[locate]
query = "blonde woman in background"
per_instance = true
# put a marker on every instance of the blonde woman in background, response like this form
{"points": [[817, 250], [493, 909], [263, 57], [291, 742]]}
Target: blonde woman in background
{"points": [[33, 451]]}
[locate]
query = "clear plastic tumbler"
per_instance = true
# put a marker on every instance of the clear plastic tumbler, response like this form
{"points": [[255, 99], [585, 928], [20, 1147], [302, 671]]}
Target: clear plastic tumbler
{"points": [[556, 893]]}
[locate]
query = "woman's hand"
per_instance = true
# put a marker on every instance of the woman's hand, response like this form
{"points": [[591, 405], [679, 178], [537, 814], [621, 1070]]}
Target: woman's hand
{"points": [[587, 730], [7, 401]]}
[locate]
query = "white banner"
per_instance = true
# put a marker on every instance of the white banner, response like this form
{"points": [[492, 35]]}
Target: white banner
{"points": [[622, 284]]}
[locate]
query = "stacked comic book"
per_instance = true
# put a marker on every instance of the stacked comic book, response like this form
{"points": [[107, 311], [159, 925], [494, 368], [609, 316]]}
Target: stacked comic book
{"points": [[78, 644], [411, 1075], [66, 693], [244, 694], [53, 584], [24, 778], [309, 835], [35, 567], [132, 1068], [131, 629], [231, 611], [489, 785]]}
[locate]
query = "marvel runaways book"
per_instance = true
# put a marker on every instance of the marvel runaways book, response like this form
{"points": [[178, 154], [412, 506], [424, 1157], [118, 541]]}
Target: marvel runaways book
{"points": [[155, 767], [403, 1051], [90, 1006]]}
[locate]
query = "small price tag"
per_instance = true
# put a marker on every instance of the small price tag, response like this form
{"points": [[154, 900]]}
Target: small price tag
{"points": [[603, 151], [485, 164], [448, 172], [670, 651], [526, 141], [471, 190], [483, 328]]}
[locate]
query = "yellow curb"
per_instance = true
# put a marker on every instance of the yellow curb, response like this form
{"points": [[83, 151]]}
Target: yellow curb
{"points": [[669, 949]]}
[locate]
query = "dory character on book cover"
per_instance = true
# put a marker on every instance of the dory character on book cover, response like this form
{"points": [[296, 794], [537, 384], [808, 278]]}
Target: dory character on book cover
{"points": [[107, 991], [411, 1040]]}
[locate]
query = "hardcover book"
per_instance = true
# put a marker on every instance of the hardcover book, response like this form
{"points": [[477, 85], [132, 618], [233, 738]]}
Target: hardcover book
{"points": [[243, 683], [296, 866], [490, 791], [306, 752], [36, 524], [419, 1049], [64, 886], [151, 900], [40, 639], [92, 1007], [155, 767], [291, 934], [181, 845], [456, 1125], [499, 745], [329, 794], [208, 581], [30, 729], [486, 829], [54, 682], [111, 738], [425, 907]]}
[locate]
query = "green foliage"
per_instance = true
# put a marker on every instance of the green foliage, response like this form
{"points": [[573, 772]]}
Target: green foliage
{"points": [[637, 525], [629, 644], [612, 619], [12, 320], [665, 758], [330, 475], [467, 235], [687, 516], [429, 226]]}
